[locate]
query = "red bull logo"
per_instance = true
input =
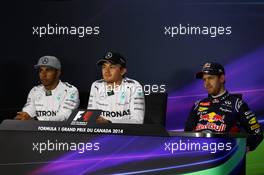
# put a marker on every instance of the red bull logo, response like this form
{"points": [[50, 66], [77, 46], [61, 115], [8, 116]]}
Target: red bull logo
{"points": [[211, 126], [212, 117]]}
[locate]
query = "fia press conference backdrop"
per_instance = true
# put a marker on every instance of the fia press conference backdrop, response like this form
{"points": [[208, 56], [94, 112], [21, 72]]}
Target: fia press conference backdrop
{"points": [[165, 43]]}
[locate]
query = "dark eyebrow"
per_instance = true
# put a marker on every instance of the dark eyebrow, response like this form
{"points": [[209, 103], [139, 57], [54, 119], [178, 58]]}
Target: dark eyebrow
{"points": [[106, 63]]}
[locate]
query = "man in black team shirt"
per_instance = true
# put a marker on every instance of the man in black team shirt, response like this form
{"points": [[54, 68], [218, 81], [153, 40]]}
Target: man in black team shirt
{"points": [[221, 111]]}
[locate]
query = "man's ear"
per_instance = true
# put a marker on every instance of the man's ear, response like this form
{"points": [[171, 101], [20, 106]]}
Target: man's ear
{"points": [[222, 78], [123, 71], [58, 74]]}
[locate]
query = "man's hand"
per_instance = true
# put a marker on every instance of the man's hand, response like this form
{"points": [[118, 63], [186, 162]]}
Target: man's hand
{"points": [[101, 120], [23, 116]]}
